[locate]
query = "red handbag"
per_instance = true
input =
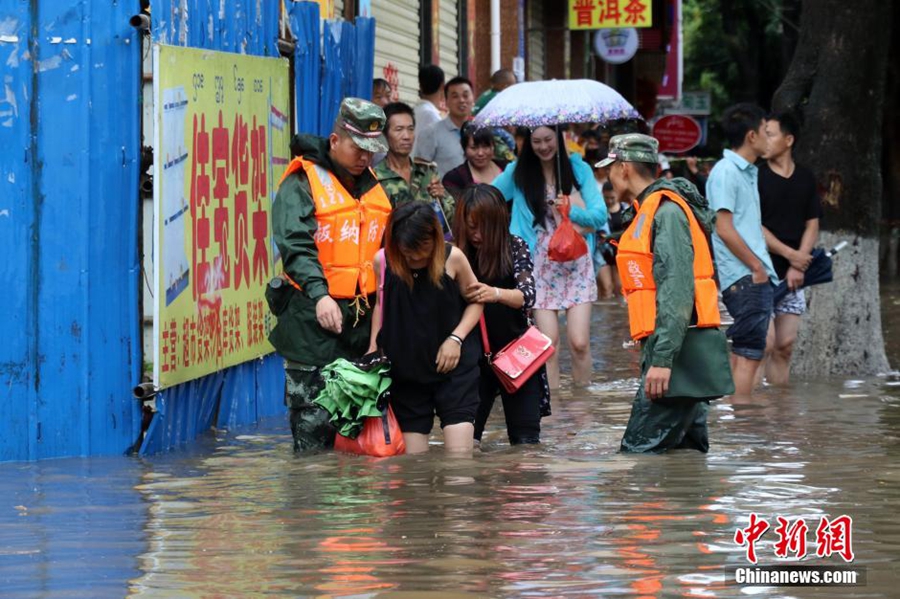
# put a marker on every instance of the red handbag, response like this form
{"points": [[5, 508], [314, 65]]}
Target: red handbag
{"points": [[520, 359], [567, 244]]}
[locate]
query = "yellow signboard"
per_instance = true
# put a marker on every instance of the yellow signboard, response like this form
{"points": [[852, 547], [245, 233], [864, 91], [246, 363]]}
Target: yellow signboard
{"points": [[222, 135], [326, 9], [602, 14]]}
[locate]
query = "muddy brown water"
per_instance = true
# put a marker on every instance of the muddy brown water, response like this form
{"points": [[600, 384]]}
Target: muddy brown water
{"points": [[237, 515]]}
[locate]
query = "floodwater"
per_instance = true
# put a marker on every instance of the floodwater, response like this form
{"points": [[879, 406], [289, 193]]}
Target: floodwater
{"points": [[237, 515]]}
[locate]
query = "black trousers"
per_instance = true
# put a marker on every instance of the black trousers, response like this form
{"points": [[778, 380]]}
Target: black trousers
{"points": [[522, 408]]}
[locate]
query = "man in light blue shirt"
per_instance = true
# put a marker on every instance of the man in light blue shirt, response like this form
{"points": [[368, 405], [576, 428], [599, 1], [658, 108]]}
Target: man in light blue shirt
{"points": [[746, 275]]}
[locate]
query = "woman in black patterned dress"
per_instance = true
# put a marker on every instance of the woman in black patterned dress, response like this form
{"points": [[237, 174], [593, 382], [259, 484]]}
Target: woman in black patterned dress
{"points": [[502, 263]]}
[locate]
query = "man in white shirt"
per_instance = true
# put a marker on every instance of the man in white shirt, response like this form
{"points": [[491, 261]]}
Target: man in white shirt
{"points": [[431, 92], [440, 142]]}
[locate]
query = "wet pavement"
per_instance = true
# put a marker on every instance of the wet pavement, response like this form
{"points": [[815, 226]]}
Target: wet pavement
{"points": [[237, 515]]}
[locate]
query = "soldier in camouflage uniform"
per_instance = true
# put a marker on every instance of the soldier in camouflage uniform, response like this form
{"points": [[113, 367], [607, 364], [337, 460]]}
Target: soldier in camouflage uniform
{"points": [[404, 179], [313, 327]]}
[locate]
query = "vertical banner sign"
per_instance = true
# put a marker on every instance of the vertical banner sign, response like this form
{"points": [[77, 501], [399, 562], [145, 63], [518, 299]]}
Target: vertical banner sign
{"points": [[221, 143], [670, 87], [601, 14]]}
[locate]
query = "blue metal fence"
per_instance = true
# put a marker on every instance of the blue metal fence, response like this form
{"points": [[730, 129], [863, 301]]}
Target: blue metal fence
{"points": [[69, 311]]}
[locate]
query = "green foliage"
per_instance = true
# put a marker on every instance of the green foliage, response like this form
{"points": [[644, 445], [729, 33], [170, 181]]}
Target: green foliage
{"points": [[738, 50]]}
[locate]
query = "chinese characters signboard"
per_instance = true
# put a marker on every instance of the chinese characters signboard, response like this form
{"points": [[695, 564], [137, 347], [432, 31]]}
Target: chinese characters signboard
{"points": [[222, 133], [602, 14]]}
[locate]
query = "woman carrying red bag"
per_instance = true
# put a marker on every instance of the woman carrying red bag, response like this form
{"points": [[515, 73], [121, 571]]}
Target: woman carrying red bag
{"points": [[535, 184], [502, 263]]}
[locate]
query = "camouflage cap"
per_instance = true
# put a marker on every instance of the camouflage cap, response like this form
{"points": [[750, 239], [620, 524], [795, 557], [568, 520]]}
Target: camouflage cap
{"points": [[364, 121], [631, 147]]}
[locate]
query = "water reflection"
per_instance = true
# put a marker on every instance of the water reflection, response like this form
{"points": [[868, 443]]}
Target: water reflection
{"points": [[239, 516]]}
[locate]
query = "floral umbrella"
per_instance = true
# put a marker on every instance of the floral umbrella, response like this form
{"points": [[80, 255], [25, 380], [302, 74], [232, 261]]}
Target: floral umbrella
{"points": [[555, 102]]}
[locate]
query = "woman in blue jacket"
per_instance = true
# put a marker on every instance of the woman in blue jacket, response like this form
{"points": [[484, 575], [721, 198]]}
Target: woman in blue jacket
{"points": [[534, 184]]}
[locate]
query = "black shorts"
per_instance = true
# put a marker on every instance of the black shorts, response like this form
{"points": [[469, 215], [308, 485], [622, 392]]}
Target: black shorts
{"points": [[454, 400]]}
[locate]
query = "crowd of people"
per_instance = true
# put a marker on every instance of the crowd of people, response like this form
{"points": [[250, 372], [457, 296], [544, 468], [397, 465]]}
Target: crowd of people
{"points": [[452, 225]]}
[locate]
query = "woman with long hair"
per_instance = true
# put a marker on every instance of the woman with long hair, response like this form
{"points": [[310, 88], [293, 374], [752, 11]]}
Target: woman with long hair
{"points": [[502, 264], [423, 323], [535, 184]]}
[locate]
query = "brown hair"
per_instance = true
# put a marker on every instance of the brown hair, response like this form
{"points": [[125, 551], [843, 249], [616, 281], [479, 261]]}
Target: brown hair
{"points": [[409, 228], [485, 205]]}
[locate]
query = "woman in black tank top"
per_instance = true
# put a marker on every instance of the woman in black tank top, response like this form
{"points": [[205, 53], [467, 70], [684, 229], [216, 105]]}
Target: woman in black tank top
{"points": [[502, 263], [423, 323]]}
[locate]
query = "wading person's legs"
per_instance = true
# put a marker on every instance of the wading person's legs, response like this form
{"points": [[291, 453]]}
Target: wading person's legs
{"points": [[523, 412], [750, 305], [605, 283], [578, 333], [783, 334], [548, 323], [459, 438], [310, 424], [778, 369]]}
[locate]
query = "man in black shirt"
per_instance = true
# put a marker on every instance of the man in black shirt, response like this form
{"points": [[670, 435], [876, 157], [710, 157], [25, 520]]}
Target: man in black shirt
{"points": [[790, 216]]}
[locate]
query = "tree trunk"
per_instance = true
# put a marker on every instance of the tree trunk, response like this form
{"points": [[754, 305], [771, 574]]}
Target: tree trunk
{"points": [[836, 82], [891, 211]]}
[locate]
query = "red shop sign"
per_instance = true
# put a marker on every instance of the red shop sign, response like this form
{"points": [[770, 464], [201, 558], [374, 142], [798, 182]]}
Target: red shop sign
{"points": [[677, 133]]}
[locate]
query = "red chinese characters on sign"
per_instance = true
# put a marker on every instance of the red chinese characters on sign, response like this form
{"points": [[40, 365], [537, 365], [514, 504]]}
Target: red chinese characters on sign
{"points": [[635, 11], [240, 171], [170, 347], [832, 536], [238, 160], [748, 536], [199, 202], [256, 328], [610, 13], [584, 11], [222, 193], [392, 76], [259, 178]]}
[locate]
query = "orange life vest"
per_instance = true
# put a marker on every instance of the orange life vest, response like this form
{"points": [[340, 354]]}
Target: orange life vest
{"points": [[635, 263], [349, 230]]}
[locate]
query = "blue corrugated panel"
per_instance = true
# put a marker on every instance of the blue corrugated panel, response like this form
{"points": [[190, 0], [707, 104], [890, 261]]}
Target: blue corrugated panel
{"points": [[71, 331], [332, 76], [364, 65], [18, 214], [348, 60], [304, 20]]}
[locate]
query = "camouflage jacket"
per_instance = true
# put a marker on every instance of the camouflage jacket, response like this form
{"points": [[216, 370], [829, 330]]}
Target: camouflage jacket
{"points": [[400, 192]]}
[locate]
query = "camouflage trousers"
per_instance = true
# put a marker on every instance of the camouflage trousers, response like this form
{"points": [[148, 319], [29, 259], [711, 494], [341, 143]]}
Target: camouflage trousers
{"points": [[310, 424]]}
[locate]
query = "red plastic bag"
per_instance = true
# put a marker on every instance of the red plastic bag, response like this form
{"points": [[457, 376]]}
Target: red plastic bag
{"points": [[567, 244], [380, 437]]}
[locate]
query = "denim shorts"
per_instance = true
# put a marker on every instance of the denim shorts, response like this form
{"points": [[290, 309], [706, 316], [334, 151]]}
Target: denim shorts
{"points": [[750, 305]]}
